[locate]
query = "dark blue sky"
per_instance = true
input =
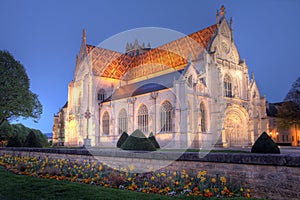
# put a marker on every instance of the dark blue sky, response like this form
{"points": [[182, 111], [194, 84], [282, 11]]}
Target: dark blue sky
{"points": [[45, 37]]}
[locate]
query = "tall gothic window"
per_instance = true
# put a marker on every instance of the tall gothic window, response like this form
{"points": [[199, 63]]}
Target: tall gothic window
{"points": [[166, 117], [101, 95], [105, 123], [189, 119], [227, 86], [143, 118], [122, 121], [203, 118], [190, 81]]}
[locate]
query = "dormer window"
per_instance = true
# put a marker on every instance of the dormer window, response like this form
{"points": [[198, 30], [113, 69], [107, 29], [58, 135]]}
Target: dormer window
{"points": [[101, 95]]}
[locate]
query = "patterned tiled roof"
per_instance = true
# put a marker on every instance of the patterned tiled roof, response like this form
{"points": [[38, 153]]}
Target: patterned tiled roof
{"points": [[114, 64]]}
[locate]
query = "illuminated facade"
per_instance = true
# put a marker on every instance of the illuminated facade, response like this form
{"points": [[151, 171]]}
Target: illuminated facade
{"points": [[187, 91]]}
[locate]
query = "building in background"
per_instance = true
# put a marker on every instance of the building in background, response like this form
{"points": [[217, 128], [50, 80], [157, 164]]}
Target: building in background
{"points": [[289, 136], [187, 92]]}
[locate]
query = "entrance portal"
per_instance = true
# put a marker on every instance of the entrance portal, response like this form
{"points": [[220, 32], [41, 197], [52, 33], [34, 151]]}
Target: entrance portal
{"points": [[236, 130]]}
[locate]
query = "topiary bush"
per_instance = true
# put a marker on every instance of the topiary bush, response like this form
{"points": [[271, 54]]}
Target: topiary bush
{"points": [[153, 140], [122, 139], [138, 141], [264, 144]]}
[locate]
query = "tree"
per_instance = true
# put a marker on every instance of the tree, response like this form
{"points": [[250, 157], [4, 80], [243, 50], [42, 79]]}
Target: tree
{"points": [[16, 99], [14, 142], [32, 140], [288, 114]]}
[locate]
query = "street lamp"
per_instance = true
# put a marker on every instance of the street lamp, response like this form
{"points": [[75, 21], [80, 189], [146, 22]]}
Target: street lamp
{"points": [[87, 115]]}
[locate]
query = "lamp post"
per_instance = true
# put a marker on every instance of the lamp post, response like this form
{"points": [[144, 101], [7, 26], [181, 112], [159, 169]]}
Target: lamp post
{"points": [[87, 141]]}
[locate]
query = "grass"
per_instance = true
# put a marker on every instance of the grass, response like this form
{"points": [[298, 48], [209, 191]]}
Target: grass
{"points": [[14, 186]]}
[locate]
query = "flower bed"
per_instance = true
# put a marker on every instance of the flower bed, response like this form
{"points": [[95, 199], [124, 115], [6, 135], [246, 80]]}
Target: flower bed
{"points": [[160, 182]]}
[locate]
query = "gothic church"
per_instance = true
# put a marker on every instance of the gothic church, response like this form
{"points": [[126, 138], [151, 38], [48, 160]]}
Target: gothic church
{"points": [[191, 92]]}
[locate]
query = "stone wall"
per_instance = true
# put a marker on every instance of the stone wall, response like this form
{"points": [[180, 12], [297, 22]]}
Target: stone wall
{"points": [[268, 176]]}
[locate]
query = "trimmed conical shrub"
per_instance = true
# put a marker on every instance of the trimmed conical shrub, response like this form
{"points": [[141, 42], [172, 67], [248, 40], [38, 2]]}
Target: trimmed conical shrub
{"points": [[122, 139], [153, 140], [264, 144], [138, 141]]}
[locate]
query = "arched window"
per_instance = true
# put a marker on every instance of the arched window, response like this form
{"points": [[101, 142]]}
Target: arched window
{"points": [[105, 123], [101, 95], [122, 121], [190, 81], [143, 118], [166, 117], [203, 118], [227, 86]]}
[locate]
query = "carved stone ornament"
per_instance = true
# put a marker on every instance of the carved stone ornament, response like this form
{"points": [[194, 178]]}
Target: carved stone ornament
{"points": [[225, 46]]}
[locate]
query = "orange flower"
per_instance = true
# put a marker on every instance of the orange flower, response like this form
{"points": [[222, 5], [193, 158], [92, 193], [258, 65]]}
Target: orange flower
{"points": [[223, 179]]}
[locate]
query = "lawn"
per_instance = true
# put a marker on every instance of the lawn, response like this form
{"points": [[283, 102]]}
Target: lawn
{"points": [[14, 186]]}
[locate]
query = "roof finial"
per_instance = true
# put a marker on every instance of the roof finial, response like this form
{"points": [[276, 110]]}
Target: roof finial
{"points": [[231, 22], [136, 44], [84, 35], [217, 15], [222, 10]]}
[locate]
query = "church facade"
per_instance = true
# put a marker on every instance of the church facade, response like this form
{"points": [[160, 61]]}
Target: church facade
{"points": [[191, 92]]}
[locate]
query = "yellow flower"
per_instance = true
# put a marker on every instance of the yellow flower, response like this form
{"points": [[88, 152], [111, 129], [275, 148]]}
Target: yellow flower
{"points": [[248, 190], [129, 179], [131, 167], [202, 179], [202, 173], [223, 179], [100, 168], [174, 173], [163, 174], [152, 178], [241, 189], [146, 183], [213, 180]]}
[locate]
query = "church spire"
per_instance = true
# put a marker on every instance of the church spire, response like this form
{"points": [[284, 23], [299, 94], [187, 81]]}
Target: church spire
{"points": [[84, 36]]}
